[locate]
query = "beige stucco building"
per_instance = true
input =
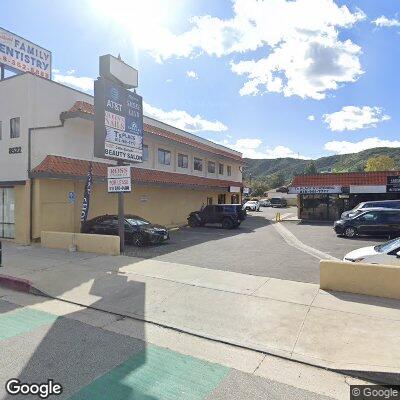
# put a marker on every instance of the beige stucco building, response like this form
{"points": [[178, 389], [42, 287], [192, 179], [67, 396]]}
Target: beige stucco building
{"points": [[46, 146]]}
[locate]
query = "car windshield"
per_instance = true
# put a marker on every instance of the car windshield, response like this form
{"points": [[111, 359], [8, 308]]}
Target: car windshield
{"points": [[389, 246], [137, 221]]}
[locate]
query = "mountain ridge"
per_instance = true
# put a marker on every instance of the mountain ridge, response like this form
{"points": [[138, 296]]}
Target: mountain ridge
{"points": [[286, 168]]}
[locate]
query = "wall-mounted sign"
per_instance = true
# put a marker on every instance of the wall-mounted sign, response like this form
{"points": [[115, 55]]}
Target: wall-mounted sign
{"points": [[71, 197], [393, 184], [21, 55], [119, 179], [234, 189], [118, 131], [315, 189], [246, 190]]}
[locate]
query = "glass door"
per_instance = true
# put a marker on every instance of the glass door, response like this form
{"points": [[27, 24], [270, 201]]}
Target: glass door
{"points": [[7, 211]]}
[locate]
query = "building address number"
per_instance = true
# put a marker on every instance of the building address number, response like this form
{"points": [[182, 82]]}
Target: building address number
{"points": [[15, 150]]}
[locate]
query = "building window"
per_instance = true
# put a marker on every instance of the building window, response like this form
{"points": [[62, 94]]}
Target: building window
{"points": [[14, 127], [229, 170], [221, 199], [183, 161], [164, 157], [211, 167], [198, 164], [145, 152], [209, 201], [221, 169]]}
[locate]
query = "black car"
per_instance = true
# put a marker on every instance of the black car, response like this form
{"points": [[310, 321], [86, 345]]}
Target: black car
{"points": [[229, 215], [278, 202], [137, 230], [377, 223]]}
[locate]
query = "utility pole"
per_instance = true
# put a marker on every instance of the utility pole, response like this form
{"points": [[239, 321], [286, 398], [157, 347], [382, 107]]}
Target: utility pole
{"points": [[121, 219]]}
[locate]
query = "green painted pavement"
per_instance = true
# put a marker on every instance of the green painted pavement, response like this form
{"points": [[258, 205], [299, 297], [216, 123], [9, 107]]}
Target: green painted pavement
{"points": [[156, 374], [20, 321]]}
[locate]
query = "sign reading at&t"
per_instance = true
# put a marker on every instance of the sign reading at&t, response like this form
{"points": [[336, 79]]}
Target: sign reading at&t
{"points": [[118, 122]]}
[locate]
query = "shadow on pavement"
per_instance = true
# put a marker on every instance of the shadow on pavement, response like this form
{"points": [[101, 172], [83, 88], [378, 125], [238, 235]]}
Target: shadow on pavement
{"points": [[74, 353], [186, 237]]}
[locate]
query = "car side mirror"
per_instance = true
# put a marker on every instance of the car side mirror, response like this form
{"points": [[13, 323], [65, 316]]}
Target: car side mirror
{"points": [[398, 254]]}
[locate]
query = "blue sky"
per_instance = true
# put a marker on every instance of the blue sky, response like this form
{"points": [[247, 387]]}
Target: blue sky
{"points": [[273, 78]]}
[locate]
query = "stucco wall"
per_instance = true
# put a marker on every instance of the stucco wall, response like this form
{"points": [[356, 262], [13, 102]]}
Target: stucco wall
{"points": [[161, 205]]}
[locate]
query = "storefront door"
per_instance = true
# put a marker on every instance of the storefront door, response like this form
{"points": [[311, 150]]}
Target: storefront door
{"points": [[7, 207]]}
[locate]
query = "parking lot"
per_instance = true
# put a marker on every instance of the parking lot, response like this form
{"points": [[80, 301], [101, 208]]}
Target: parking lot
{"points": [[256, 248]]}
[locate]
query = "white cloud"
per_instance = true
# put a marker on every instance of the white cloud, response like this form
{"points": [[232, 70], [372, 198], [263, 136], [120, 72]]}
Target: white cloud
{"points": [[386, 22], [252, 148], [183, 120], [192, 74], [304, 55], [351, 118], [178, 118], [311, 117], [344, 147], [77, 82]]}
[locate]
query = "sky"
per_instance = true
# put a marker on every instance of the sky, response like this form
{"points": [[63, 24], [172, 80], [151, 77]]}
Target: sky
{"points": [[269, 78]]}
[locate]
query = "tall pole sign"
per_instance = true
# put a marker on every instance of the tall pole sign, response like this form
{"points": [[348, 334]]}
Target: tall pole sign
{"points": [[118, 128]]}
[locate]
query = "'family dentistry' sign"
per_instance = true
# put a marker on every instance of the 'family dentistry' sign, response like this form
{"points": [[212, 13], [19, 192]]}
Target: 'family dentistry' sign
{"points": [[19, 54]]}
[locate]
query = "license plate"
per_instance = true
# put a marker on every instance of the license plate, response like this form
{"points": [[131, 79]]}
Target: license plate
{"points": [[165, 236]]}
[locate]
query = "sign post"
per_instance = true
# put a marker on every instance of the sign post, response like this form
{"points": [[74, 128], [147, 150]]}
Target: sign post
{"points": [[118, 127]]}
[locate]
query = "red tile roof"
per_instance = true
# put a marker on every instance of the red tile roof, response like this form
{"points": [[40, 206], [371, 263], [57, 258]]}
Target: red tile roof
{"points": [[87, 108], [344, 179], [58, 166]]}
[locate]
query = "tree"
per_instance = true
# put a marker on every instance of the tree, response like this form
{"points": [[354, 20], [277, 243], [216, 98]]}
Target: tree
{"points": [[276, 180], [380, 163], [310, 169], [258, 188]]}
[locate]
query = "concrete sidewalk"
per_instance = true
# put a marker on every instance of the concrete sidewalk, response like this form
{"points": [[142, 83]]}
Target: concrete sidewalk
{"points": [[285, 318]]}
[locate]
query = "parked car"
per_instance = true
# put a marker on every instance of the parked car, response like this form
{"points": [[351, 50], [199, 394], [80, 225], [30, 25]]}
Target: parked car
{"points": [[385, 253], [251, 205], [278, 202], [378, 222], [138, 231], [372, 204], [265, 203], [228, 215]]}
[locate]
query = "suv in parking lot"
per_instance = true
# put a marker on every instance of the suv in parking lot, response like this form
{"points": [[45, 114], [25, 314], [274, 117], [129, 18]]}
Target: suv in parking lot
{"points": [[371, 204], [229, 215], [278, 202], [373, 222]]}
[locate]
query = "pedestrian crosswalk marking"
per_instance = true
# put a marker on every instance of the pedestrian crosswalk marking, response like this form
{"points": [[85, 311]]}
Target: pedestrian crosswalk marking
{"points": [[156, 374], [17, 322]]}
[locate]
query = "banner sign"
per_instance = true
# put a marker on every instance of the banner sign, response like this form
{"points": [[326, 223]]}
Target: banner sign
{"points": [[86, 195], [315, 189], [119, 179], [21, 55], [393, 184], [118, 122]]}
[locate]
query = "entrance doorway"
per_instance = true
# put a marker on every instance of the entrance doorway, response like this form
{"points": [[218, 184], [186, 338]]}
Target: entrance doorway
{"points": [[7, 208]]}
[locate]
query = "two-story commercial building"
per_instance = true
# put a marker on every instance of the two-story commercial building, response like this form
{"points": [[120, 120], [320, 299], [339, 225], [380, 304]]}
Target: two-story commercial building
{"points": [[46, 147]]}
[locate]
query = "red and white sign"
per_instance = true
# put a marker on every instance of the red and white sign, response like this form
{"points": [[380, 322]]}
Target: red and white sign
{"points": [[119, 179]]}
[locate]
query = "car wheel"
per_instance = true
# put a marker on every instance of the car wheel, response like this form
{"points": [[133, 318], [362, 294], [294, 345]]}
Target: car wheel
{"points": [[350, 232], [227, 223], [193, 222], [138, 240]]}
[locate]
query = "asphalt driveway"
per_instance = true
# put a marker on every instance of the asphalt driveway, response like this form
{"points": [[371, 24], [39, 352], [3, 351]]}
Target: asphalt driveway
{"points": [[256, 248]]}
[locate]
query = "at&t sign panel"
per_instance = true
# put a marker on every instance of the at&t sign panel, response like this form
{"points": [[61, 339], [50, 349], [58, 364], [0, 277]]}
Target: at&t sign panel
{"points": [[118, 122]]}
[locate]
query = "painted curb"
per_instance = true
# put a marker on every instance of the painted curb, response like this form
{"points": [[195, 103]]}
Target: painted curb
{"points": [[18, 284]]}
